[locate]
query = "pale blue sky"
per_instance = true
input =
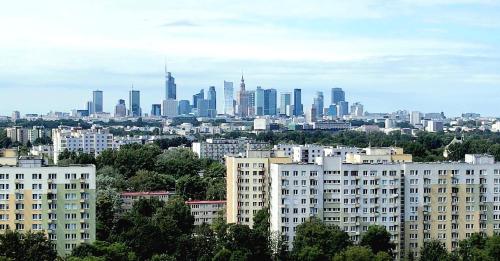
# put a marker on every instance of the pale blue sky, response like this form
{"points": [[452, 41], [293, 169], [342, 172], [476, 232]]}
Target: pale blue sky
{"points": [[428, 55]]}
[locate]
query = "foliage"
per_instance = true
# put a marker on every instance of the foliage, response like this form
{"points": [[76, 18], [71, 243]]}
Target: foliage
{"points": [[355, 253], [104, 251], [377, 239], [433, 250], [317, 239], [145, 180], [178, 162], [26, 246]]}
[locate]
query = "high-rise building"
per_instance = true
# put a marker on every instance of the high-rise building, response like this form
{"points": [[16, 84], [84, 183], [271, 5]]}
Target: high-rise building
{"points": [[17, 134], [120, 109], [298, 108], [212, 102], [202, 108], [251, 103], [319, 104], [134, 103], [97, 101], [342, 108], [415, 118], [357, 109], [259, 101], [285, 101], [270, 101], [90, 107], [16, 115], [198, 96], [59, 202], [170, 86], [184, 107], [243, 100], [170, 108], [156, 110], [338, 95], [38, 132], [228, 98]]}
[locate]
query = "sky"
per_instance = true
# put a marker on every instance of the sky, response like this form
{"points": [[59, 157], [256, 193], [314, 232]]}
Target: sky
{"points": [[426, 55]]}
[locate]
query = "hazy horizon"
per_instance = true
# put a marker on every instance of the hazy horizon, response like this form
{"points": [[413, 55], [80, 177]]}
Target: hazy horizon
{"points": [[427, 55]]}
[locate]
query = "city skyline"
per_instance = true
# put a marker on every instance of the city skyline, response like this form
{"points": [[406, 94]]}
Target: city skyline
{"points": [[426, 56]]}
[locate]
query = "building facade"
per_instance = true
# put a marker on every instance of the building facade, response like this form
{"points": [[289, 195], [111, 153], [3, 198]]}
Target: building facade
{"points": [[59, 201], [216, 149], [228, 98], [134, 106], [206, 211]]}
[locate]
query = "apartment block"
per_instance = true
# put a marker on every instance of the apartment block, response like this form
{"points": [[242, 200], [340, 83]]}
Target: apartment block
{"points": [[92, 141], [247, 184], [415, 202], [58, 201], [17, 134], [206, 211], [216, 149], [129, 197]]}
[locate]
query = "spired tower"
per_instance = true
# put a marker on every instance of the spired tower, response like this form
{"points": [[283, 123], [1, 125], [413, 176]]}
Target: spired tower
{"points": [[242, 99]]}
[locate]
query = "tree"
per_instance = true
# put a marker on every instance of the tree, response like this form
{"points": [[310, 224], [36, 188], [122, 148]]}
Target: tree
{"points": [[178, 162], [433, 251], [377, 239], [105, 251], [355, 253], [191, 187], [28, 246], [145, 180], [324, 239], [468, 246], [492, 247]]}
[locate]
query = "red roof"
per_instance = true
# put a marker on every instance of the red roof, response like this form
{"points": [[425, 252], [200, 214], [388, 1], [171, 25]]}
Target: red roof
{"points": [[147, 193], [206, 202]]}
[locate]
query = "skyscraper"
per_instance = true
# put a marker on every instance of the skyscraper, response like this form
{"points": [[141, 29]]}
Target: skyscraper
{"points": [[134, 103], [242, 101], [285, 101], [184, 107], [198, 96], [97, 101], [338, 95], [228, 98], [297, 102], [170, 108], [259, 101], [156, 110], [170, 86], [90, 107], [270, 101], [212, 102], [120, 109], [342, 108], [357, 109], [318, 104], [251, 103]]}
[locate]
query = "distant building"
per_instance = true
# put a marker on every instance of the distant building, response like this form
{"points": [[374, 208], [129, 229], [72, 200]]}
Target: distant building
{"points": [[228, 98], [184, 107], [338, 95], [170, 86], [92, 141], [319, 104], [434, 126], [202, 108], [270, 102], [97, 101], [156, 110], [259, 101], [342, 109], [212, 102], [243, 100], [169, 108], [18, 134], [198, 96], [357, 109], [415, 118], [129, 198], [16, 115], [285, 102], [206, 211], [134, 106], [298, 109], [90, 107], [216, 149], [38, 132], [120, 109]]}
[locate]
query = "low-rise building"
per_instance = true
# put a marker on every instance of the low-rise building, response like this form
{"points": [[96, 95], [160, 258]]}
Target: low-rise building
{"points": [[216, 149], [129, 198], [206, 211]]}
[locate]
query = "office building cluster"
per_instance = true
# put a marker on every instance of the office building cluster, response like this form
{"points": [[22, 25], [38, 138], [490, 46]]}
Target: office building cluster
{"points": [[355, 188]]}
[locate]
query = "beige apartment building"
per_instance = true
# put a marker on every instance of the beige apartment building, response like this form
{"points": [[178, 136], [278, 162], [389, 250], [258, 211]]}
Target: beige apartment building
{"points": [[248, 184]]}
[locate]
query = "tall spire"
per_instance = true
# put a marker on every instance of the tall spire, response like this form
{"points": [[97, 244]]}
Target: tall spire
{"points": [[166, 66], [242, 84]]}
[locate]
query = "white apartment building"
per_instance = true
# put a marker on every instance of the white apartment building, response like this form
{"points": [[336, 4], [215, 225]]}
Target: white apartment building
{"points": [[309, 152], [216, 149], [415, 201], [92, 141]]}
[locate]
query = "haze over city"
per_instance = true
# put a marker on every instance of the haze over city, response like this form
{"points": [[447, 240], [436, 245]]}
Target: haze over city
{"points": [[417, 55]]}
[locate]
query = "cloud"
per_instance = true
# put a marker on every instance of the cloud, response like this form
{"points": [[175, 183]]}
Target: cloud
{"points": [[180, 23]]}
